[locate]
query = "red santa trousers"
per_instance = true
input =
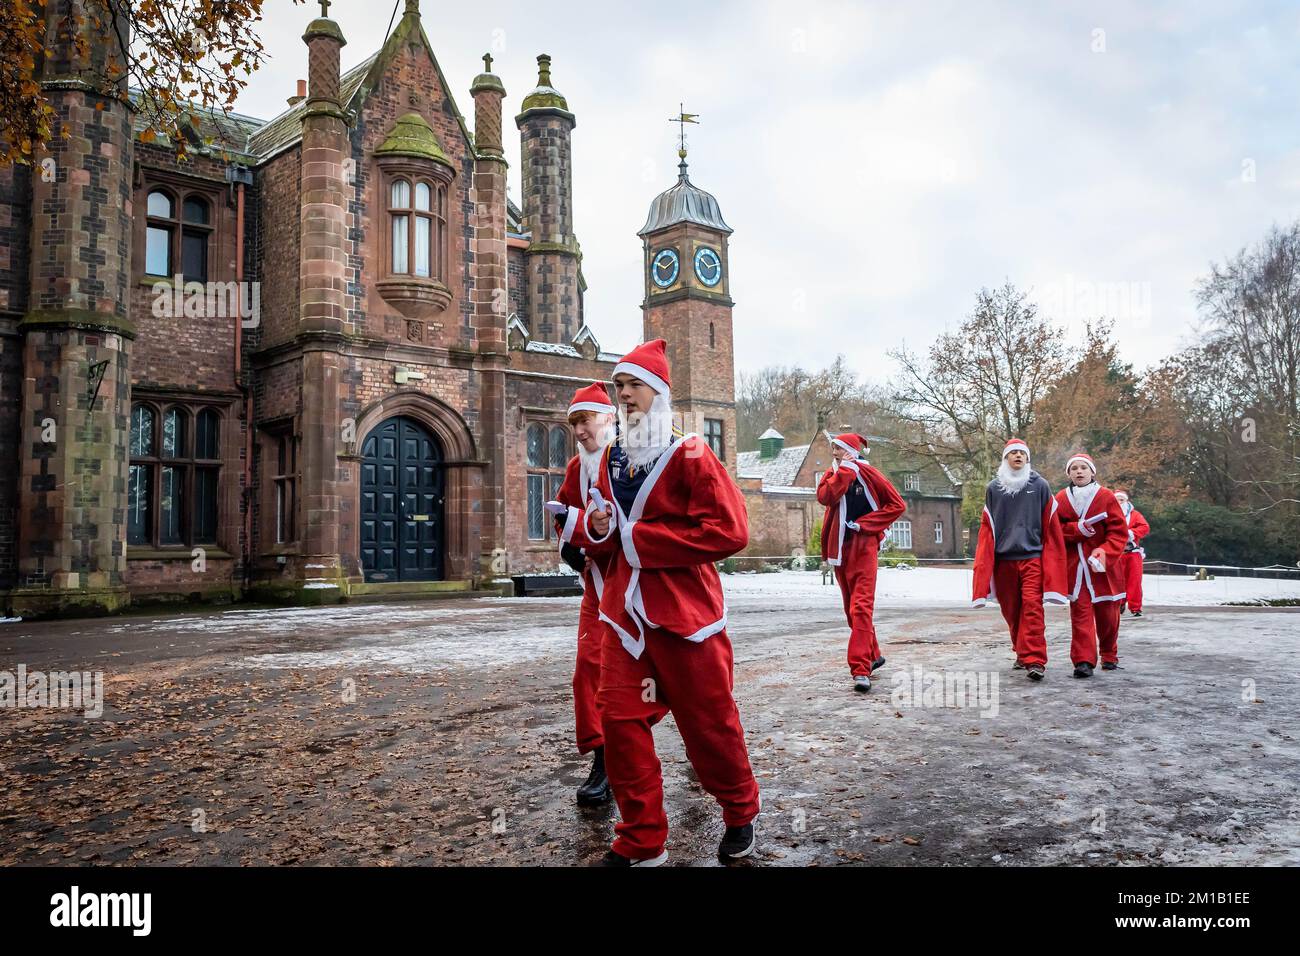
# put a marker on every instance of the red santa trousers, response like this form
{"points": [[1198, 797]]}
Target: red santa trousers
{"points": [[692, 681], [1132, 565], [1093, 623], [856, 577], [586, 671], [1018, 586]]}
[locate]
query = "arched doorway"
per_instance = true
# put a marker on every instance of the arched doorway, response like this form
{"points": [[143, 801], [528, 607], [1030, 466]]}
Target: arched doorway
{"points": [[402, 503]]}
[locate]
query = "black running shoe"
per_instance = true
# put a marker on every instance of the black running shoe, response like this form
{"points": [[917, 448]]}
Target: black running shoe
{"points": [[862, 684], [617, 859], [737, 842], [1036, 672], [1136, 614], [1083, 669], [877, 665], [1018, 666], [1110, 665]]}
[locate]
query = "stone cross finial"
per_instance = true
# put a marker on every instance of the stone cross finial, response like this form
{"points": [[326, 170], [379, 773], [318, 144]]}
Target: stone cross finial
{"points": [[325, 8], [487, 62]]}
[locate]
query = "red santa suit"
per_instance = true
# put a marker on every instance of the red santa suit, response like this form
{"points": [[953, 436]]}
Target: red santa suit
{"points": [[666, 648], [1020, 559], [860, 504], [1134, 556], [586, 671], [1090, 519]]}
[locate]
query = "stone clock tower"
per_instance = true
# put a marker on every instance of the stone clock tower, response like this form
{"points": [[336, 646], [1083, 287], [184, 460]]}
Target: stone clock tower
{"points": [[688, 304]]}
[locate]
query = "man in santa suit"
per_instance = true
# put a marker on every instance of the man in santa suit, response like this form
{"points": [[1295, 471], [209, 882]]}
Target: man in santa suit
{"points": [[861, 504], [591, 414], [1134, 553], [1020, 555], [1095, 535], [664, 509]]}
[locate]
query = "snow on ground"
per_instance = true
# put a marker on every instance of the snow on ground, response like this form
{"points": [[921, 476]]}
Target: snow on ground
{"points": [[939, 587], [490, 633], [287, 620]]}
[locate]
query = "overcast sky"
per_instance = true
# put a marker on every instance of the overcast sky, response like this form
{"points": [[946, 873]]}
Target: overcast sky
{"points": [[880, 162]]}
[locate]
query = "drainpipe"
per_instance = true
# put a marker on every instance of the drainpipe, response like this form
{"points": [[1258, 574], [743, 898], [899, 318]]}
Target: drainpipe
{"points": [[240, 176]]}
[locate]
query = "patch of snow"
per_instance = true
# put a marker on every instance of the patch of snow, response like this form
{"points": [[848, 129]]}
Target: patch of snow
{"points": [[952, 587]]}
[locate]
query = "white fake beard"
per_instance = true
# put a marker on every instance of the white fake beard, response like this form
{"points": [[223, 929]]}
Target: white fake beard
{"points": [[647, 436], [1081, 498], [590, 460], [1012, 481]]}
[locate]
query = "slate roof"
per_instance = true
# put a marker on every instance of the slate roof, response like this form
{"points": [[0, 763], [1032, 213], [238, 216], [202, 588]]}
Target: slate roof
{"points": [[777, 473], [225, 131], [286, 129]]}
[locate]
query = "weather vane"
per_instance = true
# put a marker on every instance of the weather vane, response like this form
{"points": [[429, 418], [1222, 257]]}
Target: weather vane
{"points": [[681, 119]]}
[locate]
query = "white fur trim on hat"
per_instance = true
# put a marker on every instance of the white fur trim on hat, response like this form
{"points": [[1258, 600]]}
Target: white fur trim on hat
{"points": [[591, 407], [644, 374], [849, 448], [1015, 446], [1086, 459]]}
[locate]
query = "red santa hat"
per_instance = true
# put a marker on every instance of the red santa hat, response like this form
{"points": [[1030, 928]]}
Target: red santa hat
{"points": [[856, 444], [1015, 444], [591, 398], [1084, 457], [648, 363]]}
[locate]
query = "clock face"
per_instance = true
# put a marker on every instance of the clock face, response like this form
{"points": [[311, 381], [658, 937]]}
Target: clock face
{"points": [[708, 266], [665, 267]]}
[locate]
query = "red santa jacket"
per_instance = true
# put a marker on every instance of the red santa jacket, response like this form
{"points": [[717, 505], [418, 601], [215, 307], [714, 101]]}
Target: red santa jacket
{"points": [[573, 494], [832, 491], [1138, 528], [1102, 526], [687, 515], [1053, 556]]}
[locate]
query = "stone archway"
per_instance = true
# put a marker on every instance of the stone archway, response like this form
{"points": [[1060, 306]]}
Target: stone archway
{"points": [[463, 479]]}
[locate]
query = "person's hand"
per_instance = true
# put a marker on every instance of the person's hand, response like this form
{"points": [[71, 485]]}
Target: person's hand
{"points": [[1098, 557], [599, 521]]}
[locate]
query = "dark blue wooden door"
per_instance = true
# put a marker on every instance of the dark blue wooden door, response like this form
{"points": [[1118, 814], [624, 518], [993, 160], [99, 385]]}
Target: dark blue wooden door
{"points": [[401, 503]]}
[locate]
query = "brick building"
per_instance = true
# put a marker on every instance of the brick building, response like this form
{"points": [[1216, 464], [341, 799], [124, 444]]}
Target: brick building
{"points": [[324, 355], [780, 486]]}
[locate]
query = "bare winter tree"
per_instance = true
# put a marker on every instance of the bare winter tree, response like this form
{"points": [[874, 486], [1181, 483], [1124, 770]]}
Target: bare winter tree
{"points": [[981, 384], [1251, 305], [794, 400]]}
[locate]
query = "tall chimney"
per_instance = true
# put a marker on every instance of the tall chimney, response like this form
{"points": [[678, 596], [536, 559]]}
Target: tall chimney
{"points": [[322, 314], [490, 295], [546, 128]]}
